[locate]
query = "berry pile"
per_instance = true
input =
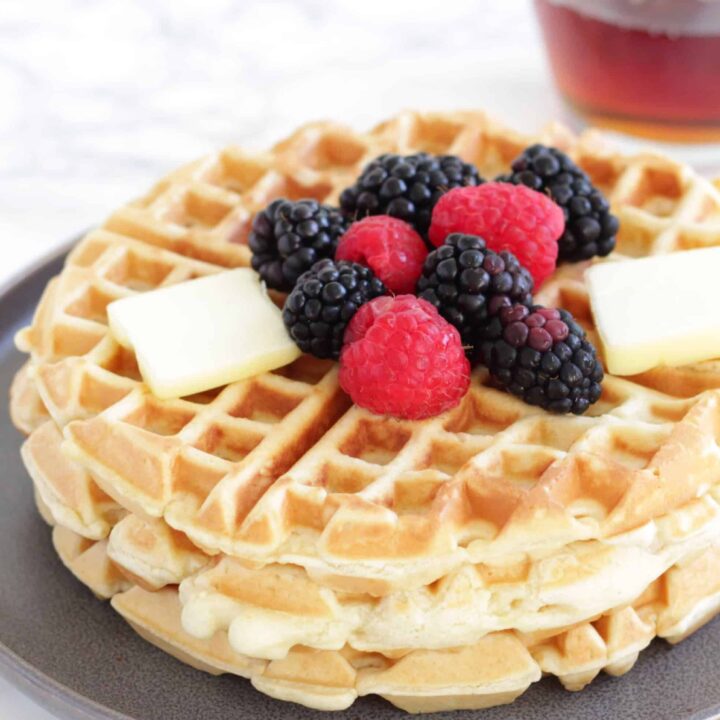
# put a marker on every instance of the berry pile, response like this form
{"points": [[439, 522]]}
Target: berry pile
{"points": [[405, 323]]}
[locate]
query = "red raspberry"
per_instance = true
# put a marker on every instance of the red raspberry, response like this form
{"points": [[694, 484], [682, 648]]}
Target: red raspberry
{"points": [[402, 358], [508, 217], [391, 248]]}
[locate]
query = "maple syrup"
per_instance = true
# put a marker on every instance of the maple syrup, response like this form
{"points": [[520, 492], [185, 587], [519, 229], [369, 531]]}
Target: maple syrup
{"points": [[648, 68]]}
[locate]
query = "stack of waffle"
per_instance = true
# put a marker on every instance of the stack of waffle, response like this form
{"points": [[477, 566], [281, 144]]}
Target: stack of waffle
{"points": [[271, 530]]}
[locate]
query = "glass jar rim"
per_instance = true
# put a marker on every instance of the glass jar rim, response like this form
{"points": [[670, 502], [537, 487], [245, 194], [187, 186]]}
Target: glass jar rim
{"points": [[670, 17]]}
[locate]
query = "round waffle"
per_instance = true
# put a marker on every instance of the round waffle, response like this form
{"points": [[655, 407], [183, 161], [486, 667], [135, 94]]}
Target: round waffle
{"points": [[316, 545]]}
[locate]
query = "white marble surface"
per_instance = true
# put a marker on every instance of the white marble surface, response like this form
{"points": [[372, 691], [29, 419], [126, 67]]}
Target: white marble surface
{"points": [[99, 97]]}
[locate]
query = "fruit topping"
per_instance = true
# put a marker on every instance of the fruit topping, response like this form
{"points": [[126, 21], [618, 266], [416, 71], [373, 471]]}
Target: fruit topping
{"points": [[590, 228], [406, 187], [514, 218], [391, 248], [406, 323], [461, 278], [402, 358], [323, 302], [542, 356], [288, 237]]}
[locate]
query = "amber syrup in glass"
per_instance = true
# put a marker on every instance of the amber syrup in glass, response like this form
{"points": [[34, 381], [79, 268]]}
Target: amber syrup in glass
{"points": [[632, 80]]}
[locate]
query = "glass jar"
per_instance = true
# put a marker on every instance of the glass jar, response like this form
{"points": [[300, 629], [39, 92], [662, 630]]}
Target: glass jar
{"points": [[645, 67]]}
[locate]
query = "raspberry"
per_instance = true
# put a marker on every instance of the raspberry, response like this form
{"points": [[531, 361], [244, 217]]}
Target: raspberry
{"points": [[391, 248], [508, 217], [402, 359]]}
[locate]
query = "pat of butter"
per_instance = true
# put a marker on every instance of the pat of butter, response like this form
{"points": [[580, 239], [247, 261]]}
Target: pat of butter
{"points": [[661, 310], [204, 333]]}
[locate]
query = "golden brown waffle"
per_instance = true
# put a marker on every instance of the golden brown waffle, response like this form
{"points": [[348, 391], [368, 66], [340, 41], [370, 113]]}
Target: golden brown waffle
{"points": [[271, 609], [495, 670], [530, 593], [278, 470], [685, 597]]}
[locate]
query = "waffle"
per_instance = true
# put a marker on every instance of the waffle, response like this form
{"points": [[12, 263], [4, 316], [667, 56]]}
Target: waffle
{"points": [[26, 407], [493, 671], [69, 494], [267, 610], [556, 545]]}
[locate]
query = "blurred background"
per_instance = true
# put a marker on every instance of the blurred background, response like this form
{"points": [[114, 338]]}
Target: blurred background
{"points": [[98, 98]]}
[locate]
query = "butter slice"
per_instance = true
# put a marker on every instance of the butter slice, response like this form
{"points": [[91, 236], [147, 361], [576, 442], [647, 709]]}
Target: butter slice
{"points": [[203, 333], [661, 310]]}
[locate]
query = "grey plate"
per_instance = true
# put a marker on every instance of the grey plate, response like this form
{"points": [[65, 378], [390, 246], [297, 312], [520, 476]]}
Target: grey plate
{"points": [[75, 656]]}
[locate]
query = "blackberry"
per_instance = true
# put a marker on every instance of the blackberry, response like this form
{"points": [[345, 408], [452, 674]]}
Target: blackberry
{"points": [[406, 187], [542, 356], [288, 237], [323, 302], [590, 228], [461, 278]]}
